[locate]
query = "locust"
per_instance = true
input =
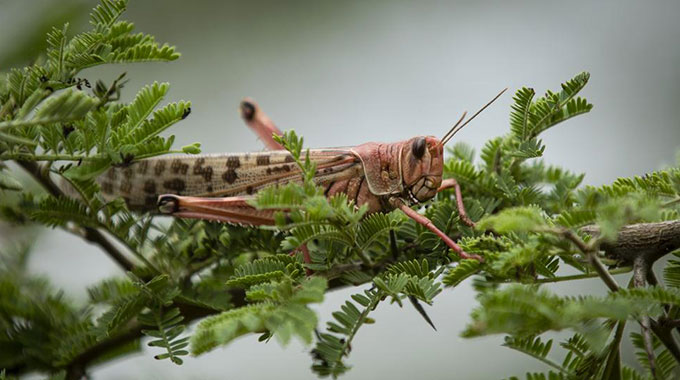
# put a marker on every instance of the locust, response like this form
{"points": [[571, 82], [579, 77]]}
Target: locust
{"points": [[219, 187]]}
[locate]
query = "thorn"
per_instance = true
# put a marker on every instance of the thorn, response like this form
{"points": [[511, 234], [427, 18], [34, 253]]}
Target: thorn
{"points": [[421, 311]]}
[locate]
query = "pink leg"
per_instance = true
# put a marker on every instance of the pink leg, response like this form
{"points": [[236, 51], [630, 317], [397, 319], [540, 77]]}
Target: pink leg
{"points": [[449, 183], [265, 128], [227, 210], [305, 256], [430, 226], [262, 125]]}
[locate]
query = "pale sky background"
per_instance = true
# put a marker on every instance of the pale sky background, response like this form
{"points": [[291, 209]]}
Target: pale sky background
{"points": [[343, 73]]}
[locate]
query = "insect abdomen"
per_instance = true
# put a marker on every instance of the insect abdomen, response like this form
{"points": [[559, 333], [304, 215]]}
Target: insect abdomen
{"points": [[141, 183]]}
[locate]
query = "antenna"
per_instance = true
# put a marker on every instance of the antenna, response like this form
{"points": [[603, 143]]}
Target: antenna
{"points": [[457, 128]]}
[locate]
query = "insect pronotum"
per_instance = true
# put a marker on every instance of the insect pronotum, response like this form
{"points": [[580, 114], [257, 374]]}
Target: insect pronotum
{"points": [[382, 176]]}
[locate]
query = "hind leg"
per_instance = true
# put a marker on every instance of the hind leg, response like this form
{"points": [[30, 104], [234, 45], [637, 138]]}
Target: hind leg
{"points": [[262, 125], [265, 128]]}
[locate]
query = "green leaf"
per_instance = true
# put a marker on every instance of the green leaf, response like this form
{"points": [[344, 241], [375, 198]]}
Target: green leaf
{"points": [[107, 12], [194, 148], [529, 310], [516, 219], [332, 347], [519, 117], [460, 272], [225, 327], [7, 182], [67, 106], [168, 328]]}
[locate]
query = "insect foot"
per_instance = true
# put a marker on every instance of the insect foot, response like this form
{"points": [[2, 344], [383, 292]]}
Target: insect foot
{"points": [[427, 223]]}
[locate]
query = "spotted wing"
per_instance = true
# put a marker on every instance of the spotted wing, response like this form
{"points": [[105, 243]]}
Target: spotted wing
{"points": [[219, 175]]}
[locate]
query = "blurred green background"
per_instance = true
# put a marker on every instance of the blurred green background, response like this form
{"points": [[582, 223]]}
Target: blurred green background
{"points": [[343, 73]]}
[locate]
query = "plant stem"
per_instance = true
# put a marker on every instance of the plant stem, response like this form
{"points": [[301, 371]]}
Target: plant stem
{"points": [[582, 276], [91, 234], [671, 202], [590, 251], [613, 368], [16, 139], [46, 157]]}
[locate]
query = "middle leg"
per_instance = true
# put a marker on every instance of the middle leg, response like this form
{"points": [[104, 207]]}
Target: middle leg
{"points": [[449, 183]]}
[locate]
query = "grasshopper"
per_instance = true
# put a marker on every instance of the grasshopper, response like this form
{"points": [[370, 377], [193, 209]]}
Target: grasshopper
{"points": [[218, 187]]}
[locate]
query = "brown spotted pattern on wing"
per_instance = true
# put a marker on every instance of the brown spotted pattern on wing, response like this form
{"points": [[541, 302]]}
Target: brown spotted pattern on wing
{"points": [[233, 162], [150, 186], [217, 175], [203, 170], [126, 187], [159, 167], [230, 176], [142, 167], [107, 187], [264, 160], [179, 167], [174, 185]]}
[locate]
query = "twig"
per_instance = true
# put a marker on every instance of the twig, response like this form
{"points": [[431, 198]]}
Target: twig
{"points": [[580, 276], [671, 202], [640, 281], [660, 238], [190, 312], [590, 251], [337, 270], [613, 368], [90, 234], [76, 369], [646, 243]]}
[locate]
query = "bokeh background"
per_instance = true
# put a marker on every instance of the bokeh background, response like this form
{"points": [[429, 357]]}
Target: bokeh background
{"points": [[343, 73]]}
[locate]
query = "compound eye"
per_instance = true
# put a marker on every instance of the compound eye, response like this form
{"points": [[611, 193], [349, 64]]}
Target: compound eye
{"points": [[418, 147]]}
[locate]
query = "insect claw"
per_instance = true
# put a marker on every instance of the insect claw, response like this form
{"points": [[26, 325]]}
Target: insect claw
{"points": [[168, 204]]}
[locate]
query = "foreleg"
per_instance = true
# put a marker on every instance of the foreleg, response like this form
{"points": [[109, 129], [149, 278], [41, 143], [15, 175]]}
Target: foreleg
{"points": [[421, 219]]}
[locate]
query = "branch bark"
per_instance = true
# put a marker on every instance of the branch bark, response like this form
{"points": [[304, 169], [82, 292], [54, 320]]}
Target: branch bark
{"points": [[660, 238], [77, 369], [649, 241], [642, 244]]}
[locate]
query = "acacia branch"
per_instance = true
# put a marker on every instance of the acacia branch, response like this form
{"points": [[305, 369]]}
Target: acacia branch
{"points": [[642, 244], [640, 270], [90, 234], [590, 251], [77, 368], [649, 241]]}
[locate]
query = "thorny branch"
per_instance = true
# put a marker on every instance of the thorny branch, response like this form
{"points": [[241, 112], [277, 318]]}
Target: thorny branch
{"points": [[590, 250], [648, 240], [642, 244], [646, 231], [636, 243]]}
